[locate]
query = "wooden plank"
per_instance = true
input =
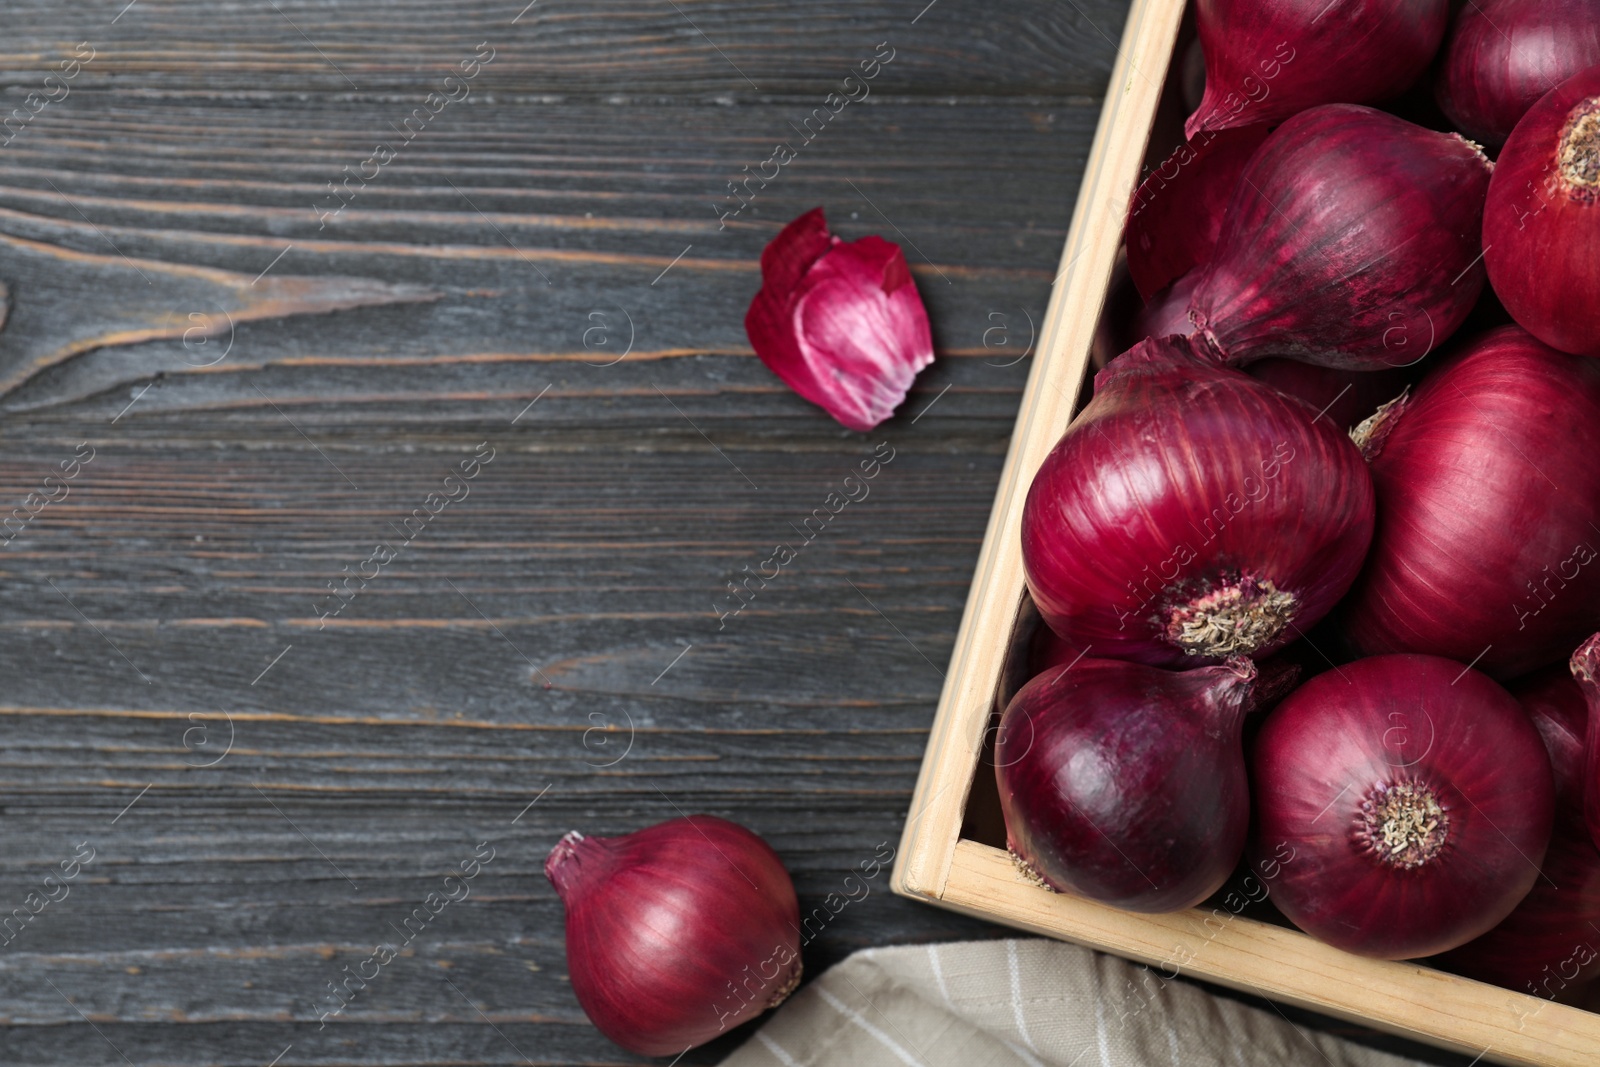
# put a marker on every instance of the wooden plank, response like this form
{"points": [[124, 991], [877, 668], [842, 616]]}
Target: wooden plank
{"points": [[629, 50], [199, 540]]}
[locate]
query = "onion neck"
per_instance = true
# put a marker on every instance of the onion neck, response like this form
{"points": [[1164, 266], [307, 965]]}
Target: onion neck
{"points": [[1371, 432], [1402, 824], [1578, 154], [577, 863], [1585, 667], [1229, 617]]}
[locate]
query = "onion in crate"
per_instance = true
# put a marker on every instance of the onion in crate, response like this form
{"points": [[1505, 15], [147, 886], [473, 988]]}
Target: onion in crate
{"points": [[1192, 513], [1352, 240], [1268, 59], [1414, 799], [1488, 495], [1550, 944], [1541, 228], [1126, 783], [1503, 55]]}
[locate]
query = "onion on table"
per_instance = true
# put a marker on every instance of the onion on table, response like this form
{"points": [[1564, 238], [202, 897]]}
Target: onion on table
{"points": [[677, 932]]}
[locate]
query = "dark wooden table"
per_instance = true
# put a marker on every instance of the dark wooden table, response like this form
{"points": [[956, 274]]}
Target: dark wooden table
{"points": [[266, 293]]}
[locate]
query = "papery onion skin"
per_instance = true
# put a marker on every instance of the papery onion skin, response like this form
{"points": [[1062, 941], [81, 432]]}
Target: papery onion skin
{"points": [[1269, 59], [1541, 225], [1487, 484], [1352, 240], [1126, 783], [1503, 55], [1416, 798], [1191, 513], [678, 932], [840, 322], [1176, 213]]}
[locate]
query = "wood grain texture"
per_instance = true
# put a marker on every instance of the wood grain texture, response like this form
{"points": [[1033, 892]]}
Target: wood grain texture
{"points": [[267, 790]]}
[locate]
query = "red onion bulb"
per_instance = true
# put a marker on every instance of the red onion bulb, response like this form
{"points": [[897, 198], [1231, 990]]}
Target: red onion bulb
{"points": [[1551, 943], [1541, 226], [1416, 798], [1345, 397], [1352, 241], [1503, 55], [1586, 669], [1166, 314], [677, 932], [1176, 213], [1268, 59], [1486, 549], [1126, 783], [1560, 712], [1191, 514]]}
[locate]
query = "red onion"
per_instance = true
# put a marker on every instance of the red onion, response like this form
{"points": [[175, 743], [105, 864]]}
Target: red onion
{"points": [[1541, 227], [1352, 241], [1503, 55], [840, 322], [676, 932], [1127, 783], [1551, 942], [1167, 313], [1485, 549], [1586, 669], [1556, 704], [1268, 59], [1344, 397], [1191, 513], [1176, 213], [1416, 798]]}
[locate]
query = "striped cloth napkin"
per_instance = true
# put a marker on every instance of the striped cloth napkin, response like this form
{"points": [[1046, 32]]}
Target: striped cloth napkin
{"points": [[1037, 1003]]}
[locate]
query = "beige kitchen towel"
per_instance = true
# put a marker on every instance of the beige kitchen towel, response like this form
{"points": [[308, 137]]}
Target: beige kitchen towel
{"points": [[1027, 1003]]}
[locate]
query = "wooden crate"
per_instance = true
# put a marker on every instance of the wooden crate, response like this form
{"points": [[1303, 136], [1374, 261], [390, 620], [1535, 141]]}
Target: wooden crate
{"points": [[950, 854]]}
